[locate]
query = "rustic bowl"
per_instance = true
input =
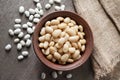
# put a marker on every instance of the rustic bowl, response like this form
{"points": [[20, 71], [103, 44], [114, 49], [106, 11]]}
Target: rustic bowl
{"points": [[88, 37]]}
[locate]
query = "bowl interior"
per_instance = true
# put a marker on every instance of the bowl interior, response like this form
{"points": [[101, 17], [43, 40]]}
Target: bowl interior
{"points": [[88, 37]]}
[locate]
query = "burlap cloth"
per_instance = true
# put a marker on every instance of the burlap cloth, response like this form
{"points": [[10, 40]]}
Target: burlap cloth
{"points": [[106, 53]]}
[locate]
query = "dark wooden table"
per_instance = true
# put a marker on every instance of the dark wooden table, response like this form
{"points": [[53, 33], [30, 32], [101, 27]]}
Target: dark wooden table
{"points": [[30, 68]]}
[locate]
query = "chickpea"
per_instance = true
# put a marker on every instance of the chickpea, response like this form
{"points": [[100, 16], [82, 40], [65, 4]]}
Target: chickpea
{"points": [[48, 29], [60, 18], [48, 23], [42, 31], [67, 20]]}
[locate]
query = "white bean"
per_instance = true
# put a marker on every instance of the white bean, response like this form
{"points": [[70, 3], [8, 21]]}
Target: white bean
{"points": [[29, 30], [56, 33], [39, 6], [36, 10], [41, 39], [11, 32], [48, 29], [61, 41], [65, 48], [76, 54], [18, 21], [51, 1], [71, 32], [41, 45], [27, 13], [8, 47], [32, 11], [83, 48], [42, 31], [80, 28], [25, 53], [36, 20], [73, 38], [37, 15], [62, 25], [22, 42], [41, 12], [64, 57], [47, 6], [28, 43], [33, 28], [47, 37], [17, 26], [31, 17], [71, 49], [16, 40], [36, 1], [57, 55], [57, 8], [82, 41], [21, 9], [21, 34], [43, 75], [62, 7], [27, 36], [30, 24], [67, 20], [58, 1], [20, 57], [25, 26], [46, 44], [19, 46], [70, 60], [54, 75], [17, 31], [49, 57], [47, 52], [69, 76]]}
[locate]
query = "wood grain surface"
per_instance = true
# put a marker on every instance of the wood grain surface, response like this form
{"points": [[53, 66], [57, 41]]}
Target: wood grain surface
{"points": [[30, 68]]}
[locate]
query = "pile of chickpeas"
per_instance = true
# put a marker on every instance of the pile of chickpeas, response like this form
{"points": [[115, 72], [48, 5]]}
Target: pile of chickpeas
{"points": [[62, 40]]}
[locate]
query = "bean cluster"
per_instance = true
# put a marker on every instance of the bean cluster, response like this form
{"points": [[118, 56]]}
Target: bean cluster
{"points": [[62, 40]]}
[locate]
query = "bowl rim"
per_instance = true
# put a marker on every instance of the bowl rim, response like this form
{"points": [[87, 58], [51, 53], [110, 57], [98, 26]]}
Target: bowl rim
{"points": [[52, 65]]}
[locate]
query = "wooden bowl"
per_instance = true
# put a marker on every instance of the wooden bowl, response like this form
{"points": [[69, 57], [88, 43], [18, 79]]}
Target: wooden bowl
{"points": [[88, 37]]}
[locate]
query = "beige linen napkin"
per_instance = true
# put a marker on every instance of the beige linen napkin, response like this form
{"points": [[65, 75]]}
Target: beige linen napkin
{"points": [[106, 52]]}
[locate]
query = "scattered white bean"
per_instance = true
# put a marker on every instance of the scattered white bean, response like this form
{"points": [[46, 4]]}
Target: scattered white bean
{"points": [[17, 31], [20, 57], [25, 26], [19, 46], [18, 21], [8, 47], [41, 12], [29, 30], [21, 34], [27, 13], [36, 10], [69, 76], [51, 1], [32, 11], [17, 26], [22, 42], [39, 6], [37, 15], [30, 24], [16, 40], [62, 7], [25, 53], [11, 32], [27, 36], [36, 20], [43, 75], [47, 6], [28, 42], [54, 75], [57, 8], [36, 1], [31, 17], [21, 9]]}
